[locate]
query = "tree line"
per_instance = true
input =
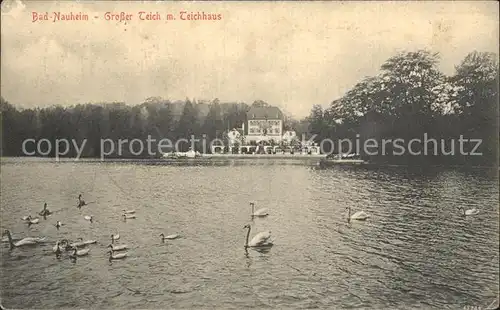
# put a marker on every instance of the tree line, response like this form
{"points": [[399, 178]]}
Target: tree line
{"points": [[410, 98], [156, 117]]}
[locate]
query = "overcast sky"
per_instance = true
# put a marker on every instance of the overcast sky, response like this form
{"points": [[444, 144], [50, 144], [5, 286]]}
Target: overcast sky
{"points": [[289, 54]]}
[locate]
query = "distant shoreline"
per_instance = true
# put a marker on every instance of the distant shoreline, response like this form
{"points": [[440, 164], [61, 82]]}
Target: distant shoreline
{"points": [[220, 158]]}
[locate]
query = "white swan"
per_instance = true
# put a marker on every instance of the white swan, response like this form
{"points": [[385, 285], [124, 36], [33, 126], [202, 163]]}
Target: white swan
{"points": [[128, 216], [33, 221], [119, 247], [89, 218], [128, 211], [77, 244], [259, 213], [23, 242], [116, 256], [81, 252], [473, 211], [58, 225], [57, 250], [259, 240], [170, 237], [56, 247], [114, 237], [360, 215]]}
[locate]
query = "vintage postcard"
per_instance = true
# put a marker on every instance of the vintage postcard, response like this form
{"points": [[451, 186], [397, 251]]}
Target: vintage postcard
{"points": [[249, 155]]}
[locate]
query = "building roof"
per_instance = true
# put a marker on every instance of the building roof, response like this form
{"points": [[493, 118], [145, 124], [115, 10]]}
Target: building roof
{"points": [[264, 113]]}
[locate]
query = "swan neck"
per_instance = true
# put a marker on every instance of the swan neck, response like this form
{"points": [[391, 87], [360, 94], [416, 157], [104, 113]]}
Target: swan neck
{"points": [[11, 243], [248, 236], [253, 209]]}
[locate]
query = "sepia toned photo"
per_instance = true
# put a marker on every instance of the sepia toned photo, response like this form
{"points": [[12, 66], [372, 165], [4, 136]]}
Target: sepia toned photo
{"points": [[249, 155]]}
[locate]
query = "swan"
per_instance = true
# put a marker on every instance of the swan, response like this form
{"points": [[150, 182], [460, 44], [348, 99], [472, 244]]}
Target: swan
{"points": [[77, 244], [73, 256], [120, 247], [32, 221], [89, 218], [56, 247], [45, 211], [116, 256], [170, 237], [128, 211], [259, 240], [473, 211], [360, 215], [81, 202], [81, 252], [128, 216], [259, 213], [25, 218], [57, 250], [58, 224], [23, 242], [114, 237]]}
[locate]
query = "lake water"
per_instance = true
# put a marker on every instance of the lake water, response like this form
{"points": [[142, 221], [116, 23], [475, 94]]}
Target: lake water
{"points": [[416, 250]]}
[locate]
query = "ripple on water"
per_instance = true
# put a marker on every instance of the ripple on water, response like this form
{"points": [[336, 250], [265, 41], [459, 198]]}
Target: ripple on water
{"points": [[416, 250]]}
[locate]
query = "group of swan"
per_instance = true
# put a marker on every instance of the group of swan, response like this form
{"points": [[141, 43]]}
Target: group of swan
{"points": [[45, 212], [361, 215], [262, 239], [75, 252], [115, 248], [66, 244]]}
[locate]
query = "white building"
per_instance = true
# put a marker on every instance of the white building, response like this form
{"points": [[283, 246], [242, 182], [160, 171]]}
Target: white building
{"points": [[263, 124]]}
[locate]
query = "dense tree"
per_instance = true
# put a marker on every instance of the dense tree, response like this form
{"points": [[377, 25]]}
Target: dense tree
{"points": [[214, 123], [410, 97], [155, 117]]}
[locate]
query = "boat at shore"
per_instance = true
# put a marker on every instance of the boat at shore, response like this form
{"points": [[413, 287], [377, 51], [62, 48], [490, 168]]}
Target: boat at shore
{"points": [[343, 159], [182, 155]]}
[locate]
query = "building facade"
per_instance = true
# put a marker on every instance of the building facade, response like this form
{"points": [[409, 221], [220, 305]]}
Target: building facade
{"points": [[263, 124]]}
